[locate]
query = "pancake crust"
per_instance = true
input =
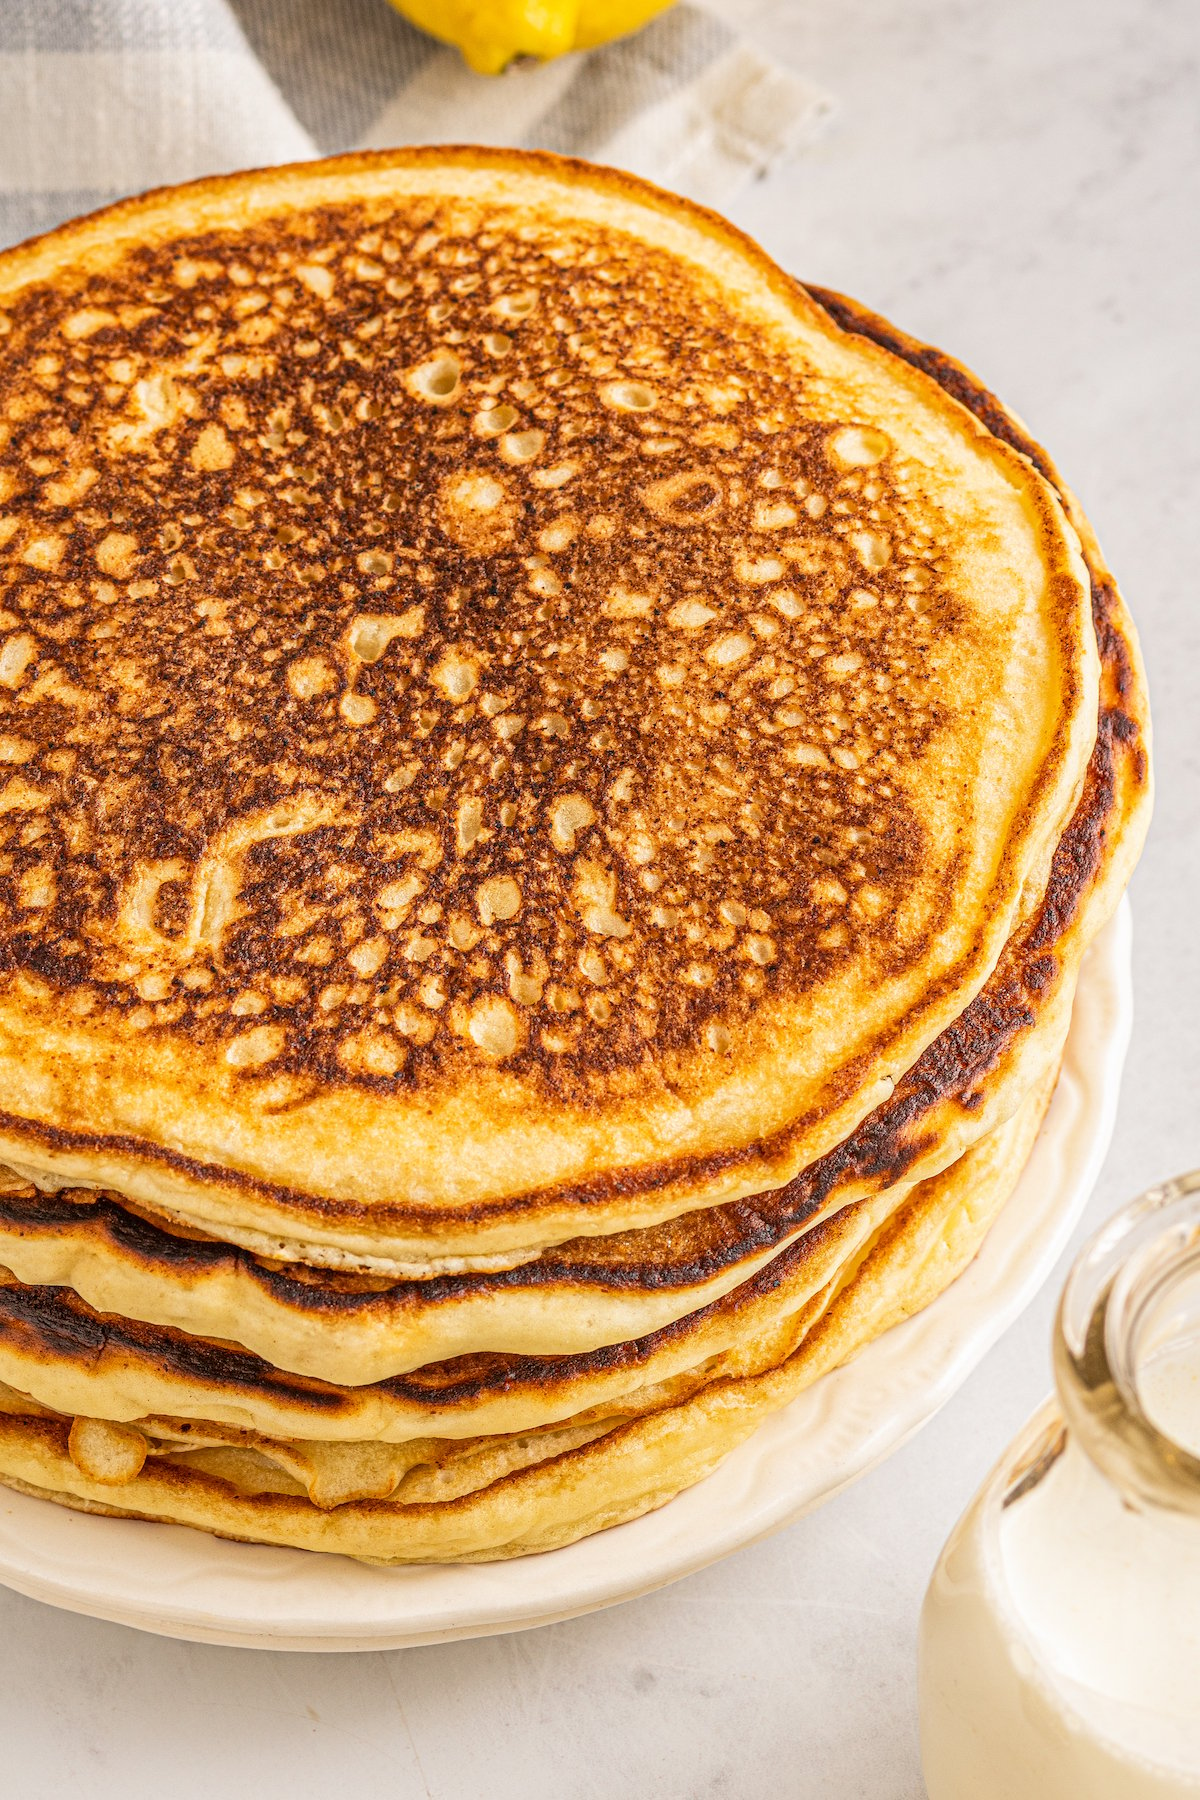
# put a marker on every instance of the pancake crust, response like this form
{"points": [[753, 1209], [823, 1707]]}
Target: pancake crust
{"points": [[497, 679]]}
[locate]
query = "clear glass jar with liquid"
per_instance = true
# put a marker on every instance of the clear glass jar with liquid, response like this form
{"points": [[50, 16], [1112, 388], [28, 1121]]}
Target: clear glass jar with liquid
{"points": [[1060, 1636]]}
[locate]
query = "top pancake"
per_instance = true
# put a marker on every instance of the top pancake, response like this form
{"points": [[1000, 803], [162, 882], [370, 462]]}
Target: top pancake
{"points": [[519, 726]]}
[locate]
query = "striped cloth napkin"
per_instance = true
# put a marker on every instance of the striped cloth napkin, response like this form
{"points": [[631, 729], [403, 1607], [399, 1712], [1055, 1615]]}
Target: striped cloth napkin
{"points": [[100, 98]]}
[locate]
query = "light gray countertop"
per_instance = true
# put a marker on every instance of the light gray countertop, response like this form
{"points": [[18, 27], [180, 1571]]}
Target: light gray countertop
{"points": [[1019, 183]]}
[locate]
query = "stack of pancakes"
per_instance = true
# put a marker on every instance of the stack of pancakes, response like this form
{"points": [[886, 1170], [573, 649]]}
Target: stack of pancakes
{"points": [[556, 785]]}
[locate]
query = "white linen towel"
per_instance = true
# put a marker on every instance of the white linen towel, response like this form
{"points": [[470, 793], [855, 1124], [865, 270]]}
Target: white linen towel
{"points": [[101, 98]]}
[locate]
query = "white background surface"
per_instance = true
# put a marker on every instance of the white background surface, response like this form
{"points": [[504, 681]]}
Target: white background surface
{"points": [[1021, 184]]}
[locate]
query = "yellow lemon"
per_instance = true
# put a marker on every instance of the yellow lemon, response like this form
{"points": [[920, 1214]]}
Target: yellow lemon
{"points": [[490, 33]]}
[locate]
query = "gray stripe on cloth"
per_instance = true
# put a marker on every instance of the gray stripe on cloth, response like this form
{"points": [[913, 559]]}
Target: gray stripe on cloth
{"points": [[336, 62], [627, 78], [86, 26], [101, 98]]}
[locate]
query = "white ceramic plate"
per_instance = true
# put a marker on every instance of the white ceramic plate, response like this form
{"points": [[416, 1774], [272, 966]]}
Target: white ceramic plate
{"points": [[185, 1584]]}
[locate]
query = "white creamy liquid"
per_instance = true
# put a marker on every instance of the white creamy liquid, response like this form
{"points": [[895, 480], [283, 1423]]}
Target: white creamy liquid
{"points": [[1060, 1638]]}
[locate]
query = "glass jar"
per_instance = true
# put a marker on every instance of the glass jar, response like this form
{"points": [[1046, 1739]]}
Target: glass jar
{"points": [[1060, 1636]]}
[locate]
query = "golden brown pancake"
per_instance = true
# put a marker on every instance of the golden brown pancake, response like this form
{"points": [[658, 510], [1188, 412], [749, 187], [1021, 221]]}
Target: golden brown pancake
{"points": [[519, 725], [522, 1453]]}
